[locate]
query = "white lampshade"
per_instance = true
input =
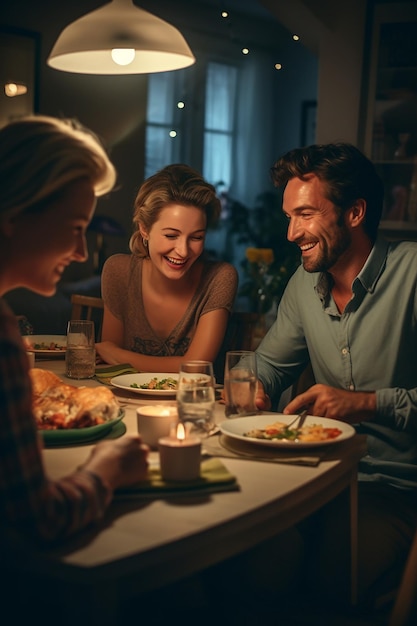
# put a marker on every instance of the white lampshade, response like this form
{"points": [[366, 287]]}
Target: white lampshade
{"points": [[86, 45]]}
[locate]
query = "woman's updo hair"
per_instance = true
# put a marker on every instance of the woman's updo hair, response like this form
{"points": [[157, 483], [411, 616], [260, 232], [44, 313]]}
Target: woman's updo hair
{"points": [[174, 184]]}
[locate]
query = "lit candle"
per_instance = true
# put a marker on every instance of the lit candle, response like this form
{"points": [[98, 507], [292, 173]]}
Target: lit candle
{"points": [[155, 421], [180, 455]]}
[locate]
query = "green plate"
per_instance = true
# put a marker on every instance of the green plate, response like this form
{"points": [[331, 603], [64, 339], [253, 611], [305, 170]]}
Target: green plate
{"points": [[71, 436]]}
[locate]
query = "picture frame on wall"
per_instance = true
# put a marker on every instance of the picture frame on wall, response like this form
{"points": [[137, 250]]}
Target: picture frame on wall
{"points": [[19, 64], [308, 122]]}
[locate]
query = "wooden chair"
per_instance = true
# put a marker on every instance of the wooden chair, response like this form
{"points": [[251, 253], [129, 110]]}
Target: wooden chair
{"points": [[88, 308], [239, 335], [241, 330]]}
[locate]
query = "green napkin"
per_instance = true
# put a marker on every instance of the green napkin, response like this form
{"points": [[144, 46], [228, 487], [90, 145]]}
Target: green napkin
{"points": [[213, 477], [105, 374]]}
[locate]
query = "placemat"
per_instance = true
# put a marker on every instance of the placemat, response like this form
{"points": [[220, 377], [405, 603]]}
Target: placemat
{"points": [[105, 374], [214, 476], [223, 446]]}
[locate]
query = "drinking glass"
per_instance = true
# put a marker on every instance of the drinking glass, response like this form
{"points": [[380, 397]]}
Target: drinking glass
{"points": [[196, 397], [240, 379], [80, 355]]}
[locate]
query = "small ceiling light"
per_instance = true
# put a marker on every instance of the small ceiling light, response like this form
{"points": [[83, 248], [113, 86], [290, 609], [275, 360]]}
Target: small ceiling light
{"points": [[180, 105], [225, 14], [14, 89], [172, 133], [278, 66], [120, 38], [296, 37], [245, 50]]}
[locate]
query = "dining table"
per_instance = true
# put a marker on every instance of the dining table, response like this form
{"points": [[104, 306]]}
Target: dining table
{"points": [[148, 540]]}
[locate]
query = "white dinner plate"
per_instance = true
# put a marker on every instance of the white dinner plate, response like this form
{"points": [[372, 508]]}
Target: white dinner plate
{"points": [[125, 381], [238, 426], [46, 345]]}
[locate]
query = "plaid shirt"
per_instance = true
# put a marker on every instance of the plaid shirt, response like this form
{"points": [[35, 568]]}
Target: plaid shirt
{"points": [[38, 507]]}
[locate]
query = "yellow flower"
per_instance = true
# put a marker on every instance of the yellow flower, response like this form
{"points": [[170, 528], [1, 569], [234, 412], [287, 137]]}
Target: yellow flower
{"points": [[260, 255]]}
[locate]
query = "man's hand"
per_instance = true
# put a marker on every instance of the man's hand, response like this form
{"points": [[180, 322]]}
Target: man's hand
{"points": [[324, 401], [262, 400]]}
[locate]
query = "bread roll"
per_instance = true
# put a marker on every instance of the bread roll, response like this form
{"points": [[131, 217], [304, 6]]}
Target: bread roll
{"points": [[58, 405]]}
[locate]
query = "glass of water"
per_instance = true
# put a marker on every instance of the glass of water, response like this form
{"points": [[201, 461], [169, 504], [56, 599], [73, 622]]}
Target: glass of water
{"points": [[196, 397], [240, 380], [80, 355]]}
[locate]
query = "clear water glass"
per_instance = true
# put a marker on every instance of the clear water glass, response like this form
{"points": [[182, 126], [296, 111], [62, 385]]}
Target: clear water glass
{"points": [[196, 397], [240, 381]]}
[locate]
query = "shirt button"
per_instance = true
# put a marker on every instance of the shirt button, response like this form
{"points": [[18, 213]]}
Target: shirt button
{"points": [[345, 351], [352, 387]]}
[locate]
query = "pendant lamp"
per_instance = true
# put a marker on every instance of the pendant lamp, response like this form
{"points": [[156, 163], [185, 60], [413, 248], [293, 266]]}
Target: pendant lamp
{"points": [[120, 38]]}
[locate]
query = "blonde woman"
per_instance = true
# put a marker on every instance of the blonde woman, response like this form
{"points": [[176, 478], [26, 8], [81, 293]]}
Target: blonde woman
{"points": [[166, 301], [50, 174]]}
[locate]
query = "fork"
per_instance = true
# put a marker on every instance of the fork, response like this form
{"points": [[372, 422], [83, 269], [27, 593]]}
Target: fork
{"points": [[301, 417]]}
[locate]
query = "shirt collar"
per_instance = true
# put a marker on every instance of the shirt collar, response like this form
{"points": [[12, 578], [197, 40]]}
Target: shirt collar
{"points": [[374, 264], [368, 276]]}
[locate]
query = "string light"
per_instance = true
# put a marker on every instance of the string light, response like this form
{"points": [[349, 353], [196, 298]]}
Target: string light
{"points": [[296, 38], [180, 104], [244, 50], [172, 133]]}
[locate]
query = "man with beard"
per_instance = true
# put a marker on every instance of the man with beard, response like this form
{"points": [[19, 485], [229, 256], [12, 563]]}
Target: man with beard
{"points": [[350, 310]]}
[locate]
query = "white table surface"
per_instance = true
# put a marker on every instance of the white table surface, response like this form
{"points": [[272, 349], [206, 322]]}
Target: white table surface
{"points": [[147, 542]]}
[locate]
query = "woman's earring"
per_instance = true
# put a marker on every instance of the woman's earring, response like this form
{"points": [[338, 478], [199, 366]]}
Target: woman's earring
{"points": [[145, 242]]}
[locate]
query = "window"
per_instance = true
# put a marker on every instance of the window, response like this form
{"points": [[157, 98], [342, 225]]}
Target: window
{"points": [[219, 123], [173, 118], [164, 123]]}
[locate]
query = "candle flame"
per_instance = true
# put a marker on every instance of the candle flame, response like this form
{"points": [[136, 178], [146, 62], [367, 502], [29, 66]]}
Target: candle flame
{"points": [[180, 432]]}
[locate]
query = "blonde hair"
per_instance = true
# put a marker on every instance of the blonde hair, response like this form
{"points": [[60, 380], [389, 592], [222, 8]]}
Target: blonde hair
{"points": [[40, 155], [174, 184]]}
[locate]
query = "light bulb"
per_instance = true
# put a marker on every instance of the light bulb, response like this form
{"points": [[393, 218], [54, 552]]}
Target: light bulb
{"points": [[123, 56]]}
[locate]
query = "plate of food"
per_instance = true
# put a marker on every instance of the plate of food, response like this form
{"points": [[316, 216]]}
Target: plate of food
{"points": [[66, 414], [46, 345], [71, 436], [158, 384], [270, 429]]}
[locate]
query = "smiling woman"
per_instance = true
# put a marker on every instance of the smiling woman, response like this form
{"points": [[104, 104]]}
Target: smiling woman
{"points": [[50, 174], [166, 300]]}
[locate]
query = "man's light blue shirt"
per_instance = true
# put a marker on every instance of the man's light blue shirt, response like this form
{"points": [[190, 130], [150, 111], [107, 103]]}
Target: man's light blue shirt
{"points": [[371, 346]]}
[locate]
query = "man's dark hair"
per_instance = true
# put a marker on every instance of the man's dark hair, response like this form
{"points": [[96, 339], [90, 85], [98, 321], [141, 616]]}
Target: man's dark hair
{"points": [[347, 173]]}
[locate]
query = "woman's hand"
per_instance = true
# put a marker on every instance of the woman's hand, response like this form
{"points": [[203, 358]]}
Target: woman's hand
{"points": [[106, 353], [119, 462]]}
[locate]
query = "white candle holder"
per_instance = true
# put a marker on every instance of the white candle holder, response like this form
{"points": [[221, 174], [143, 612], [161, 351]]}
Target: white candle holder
{"points": [[154, 422], [180, 456]]}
